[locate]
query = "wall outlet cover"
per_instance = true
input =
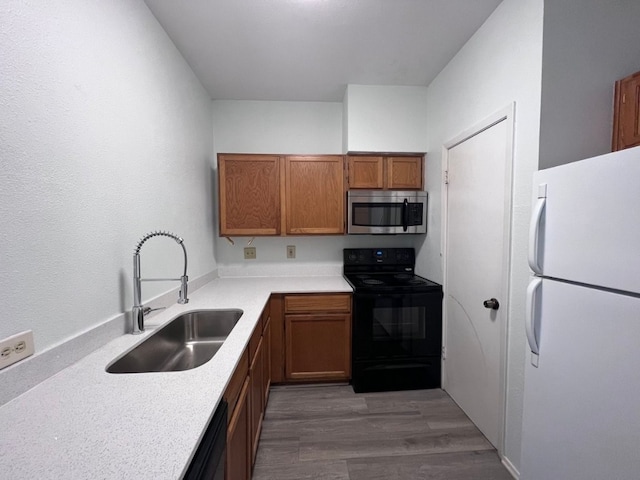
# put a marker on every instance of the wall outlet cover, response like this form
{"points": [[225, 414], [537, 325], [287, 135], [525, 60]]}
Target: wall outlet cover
{"points": [[15, 348], [249, 253], [291, 251]]}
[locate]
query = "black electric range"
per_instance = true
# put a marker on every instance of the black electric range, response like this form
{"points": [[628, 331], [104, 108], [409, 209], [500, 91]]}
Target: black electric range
{"points": [[397, 321]]}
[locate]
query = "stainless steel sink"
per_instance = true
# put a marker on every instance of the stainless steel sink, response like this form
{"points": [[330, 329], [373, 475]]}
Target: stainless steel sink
{"points": [[186, 342]]}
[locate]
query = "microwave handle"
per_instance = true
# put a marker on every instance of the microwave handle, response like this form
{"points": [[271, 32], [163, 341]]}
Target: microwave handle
{"points": [[405, 215]]}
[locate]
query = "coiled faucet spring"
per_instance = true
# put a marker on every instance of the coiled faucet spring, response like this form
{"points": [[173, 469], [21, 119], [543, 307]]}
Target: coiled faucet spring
{"points": [[138, 310]]}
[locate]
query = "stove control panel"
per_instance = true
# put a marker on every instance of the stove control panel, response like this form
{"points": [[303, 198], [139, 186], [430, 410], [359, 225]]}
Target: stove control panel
{"points": [[379, 256]]}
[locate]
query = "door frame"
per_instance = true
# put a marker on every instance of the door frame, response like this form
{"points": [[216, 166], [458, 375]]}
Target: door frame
{"points": [[506, 114]]}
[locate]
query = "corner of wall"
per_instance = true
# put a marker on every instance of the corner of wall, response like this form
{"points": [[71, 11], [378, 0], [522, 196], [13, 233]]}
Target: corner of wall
{"points": [[345, 121]]}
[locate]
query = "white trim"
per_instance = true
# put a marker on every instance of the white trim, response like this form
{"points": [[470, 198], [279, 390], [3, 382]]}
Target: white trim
{"points": [[510, 468], [506, 114]]}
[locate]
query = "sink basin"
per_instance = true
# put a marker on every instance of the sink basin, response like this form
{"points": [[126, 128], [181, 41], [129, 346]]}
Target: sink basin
{"points": [[186, 342]]}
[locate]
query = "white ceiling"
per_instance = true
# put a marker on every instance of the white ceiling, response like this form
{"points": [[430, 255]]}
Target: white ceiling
{"points": [[309, 50]]}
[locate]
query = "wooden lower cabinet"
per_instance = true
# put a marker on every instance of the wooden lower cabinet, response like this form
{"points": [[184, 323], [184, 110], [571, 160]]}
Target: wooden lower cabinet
{"points": [[277, 338], [256, 398], [266, 376], [317, 337], [318, 347], [238, 465], [302, 337], [246, 395]]}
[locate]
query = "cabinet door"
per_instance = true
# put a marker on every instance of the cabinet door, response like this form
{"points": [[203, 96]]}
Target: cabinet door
{"points": [[365, 172], [404, 173], [249, 190], [266, 375], [626, 123], [256, 399], [318, 346], [232, 393], [238, 465], [314, 195], [276, 311]]}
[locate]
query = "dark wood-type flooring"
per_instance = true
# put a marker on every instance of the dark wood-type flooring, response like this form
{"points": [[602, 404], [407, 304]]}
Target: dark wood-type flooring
{"points": [[331, 433]]}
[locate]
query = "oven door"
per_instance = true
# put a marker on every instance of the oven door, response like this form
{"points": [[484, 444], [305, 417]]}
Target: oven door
{"points": [[397, 326]]}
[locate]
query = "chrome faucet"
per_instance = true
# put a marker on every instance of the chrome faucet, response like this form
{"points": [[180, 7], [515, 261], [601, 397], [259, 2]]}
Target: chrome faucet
{"points": [[138, 312]]}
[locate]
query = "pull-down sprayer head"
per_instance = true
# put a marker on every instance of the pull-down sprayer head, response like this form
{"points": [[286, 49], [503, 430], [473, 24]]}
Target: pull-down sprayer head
{"points": [[138, 310]]}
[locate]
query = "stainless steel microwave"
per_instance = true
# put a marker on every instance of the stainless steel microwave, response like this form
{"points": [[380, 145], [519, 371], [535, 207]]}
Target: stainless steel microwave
{"points": [[386, 212]]}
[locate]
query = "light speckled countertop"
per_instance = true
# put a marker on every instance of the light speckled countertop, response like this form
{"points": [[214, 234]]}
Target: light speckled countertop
{"points": [[84, 423]]}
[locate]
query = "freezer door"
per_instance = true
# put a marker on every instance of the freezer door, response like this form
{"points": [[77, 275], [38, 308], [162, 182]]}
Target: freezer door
{"points": [[582, 401], [587, 229]]}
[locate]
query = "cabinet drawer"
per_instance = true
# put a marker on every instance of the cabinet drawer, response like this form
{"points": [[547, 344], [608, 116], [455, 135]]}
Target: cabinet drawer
{"points": [[339, 302], [232, 392]]}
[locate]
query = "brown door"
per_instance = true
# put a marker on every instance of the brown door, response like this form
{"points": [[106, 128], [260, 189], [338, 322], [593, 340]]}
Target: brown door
{"points": [[249, 190], [404, 173], [626, 128], [315, 194], [318, 346], [365, 172], [238, 465]]}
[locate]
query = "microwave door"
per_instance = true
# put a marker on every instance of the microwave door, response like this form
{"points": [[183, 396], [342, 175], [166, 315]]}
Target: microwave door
{"points": [[390, 212]]}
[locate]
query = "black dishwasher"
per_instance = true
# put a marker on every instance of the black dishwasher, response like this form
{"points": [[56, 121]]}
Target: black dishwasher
{"points": [[208, 462]]}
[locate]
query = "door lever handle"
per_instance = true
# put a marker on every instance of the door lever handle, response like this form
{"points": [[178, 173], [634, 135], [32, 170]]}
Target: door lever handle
{"points": [[492, 303]]}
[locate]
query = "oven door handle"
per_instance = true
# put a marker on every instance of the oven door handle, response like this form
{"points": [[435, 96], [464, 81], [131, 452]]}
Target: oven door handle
{"points": [[405, 215]]}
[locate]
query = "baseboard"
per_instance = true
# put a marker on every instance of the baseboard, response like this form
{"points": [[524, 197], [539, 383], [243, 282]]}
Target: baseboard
{"points": [[22, 376], [510, 468]]}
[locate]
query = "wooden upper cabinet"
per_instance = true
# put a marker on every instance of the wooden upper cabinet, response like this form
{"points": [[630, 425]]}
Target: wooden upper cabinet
{"points": [[366, 172], [385, 173], [314, 194], [404, 173], [249, 194], [626, 115]]}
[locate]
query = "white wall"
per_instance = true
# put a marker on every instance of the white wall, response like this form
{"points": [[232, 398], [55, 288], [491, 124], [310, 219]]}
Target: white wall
{"points": [[105, 134], [385, 118], [588, 45], [499, 65], [285, 128]]}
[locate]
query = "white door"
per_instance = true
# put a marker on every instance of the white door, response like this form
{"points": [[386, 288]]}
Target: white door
{"points": [[581, 418], [590, 206], [476, 270]]}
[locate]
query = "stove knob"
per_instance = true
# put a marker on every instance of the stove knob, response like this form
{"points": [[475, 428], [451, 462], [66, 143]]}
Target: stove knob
{"points": [[352, 257]]}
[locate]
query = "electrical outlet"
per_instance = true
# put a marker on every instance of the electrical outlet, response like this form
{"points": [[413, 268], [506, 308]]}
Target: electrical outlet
{"points": [[249, 253], [291, 251], [15, 348]]}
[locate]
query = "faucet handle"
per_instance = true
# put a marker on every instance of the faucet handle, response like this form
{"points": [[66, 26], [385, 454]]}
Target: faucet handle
{"points": [[147, 310], [182, 296]]}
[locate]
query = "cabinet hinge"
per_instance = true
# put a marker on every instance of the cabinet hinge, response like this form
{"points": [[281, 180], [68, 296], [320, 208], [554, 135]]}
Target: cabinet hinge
{"points": [[444, 353], [446, 177]]}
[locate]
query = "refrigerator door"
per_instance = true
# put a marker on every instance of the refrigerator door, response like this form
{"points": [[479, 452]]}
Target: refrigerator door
{"points": [[581, 403], [587, 229]]}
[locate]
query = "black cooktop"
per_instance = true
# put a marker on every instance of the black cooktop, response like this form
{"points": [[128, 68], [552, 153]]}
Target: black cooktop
{"points": [[383, 269]]}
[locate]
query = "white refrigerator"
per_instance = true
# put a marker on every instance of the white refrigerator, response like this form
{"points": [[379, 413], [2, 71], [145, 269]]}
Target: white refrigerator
{"points": [[582, 374]]}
